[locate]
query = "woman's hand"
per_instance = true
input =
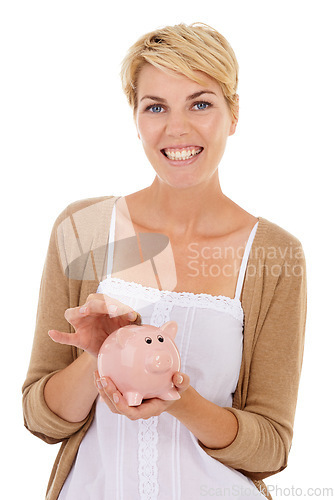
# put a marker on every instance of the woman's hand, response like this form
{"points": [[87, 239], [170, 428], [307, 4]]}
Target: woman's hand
{"points": [[94, 321], [148, 408]]}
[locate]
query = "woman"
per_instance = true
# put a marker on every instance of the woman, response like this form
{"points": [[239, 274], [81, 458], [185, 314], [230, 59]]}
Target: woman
{"points": [[177, 250]]}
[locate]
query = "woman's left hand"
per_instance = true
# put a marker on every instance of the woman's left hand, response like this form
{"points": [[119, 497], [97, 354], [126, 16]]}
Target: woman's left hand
{"points": [[148, 408]]}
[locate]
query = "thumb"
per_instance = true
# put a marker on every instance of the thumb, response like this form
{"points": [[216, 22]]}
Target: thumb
{"points": [[181, 381]]}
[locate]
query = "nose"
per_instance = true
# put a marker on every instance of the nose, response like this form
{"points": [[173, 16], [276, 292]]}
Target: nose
{"points": [[159, 361], [177, 124]]}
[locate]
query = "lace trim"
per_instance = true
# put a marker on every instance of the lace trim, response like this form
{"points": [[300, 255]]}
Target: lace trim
{"points": [[168, 299], [147, 458], [161, 313], [147, 429]]}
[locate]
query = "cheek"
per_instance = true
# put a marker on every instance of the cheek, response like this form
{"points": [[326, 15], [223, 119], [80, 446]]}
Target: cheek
{"points": [[219, 131], [213, 126], [148, 130], [215, 137]]}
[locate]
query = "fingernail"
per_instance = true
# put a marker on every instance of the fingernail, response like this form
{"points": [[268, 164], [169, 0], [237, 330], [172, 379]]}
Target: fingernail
{"points": [[132, 315], [115, 398], [98, 383], [103, 382], [179, 379], [112, 310]]}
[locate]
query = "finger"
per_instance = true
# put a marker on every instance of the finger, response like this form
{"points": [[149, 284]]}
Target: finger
{"points": [[114, 307], [109, 306], [147, 409], [112, 396], [92, 308], [99, 296], [63, 337], [152, 408], [118, 404], [106, 387], [131, 412], [101, 384]]}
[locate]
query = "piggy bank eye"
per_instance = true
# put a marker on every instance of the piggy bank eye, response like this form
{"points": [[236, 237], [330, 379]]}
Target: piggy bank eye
{"points": [[160, 338], [148, 340]]}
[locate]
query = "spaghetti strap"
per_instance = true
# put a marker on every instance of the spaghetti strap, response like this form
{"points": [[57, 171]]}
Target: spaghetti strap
{"points": [[244, 262], [111, 241]]}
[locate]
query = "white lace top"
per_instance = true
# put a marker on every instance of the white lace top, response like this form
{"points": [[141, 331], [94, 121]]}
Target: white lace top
{"points": [[159, 458]]}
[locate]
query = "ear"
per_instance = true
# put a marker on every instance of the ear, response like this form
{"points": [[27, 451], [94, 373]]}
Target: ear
{"points": [[170, 329], [124, 334], [233, 126]]}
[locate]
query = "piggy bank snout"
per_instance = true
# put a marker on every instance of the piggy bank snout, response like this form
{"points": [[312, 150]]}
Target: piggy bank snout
{"points": [[159, 361]]}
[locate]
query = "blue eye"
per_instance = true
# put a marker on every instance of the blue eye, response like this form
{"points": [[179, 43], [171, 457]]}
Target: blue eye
{"points": [[154, 108], [202, 105]]}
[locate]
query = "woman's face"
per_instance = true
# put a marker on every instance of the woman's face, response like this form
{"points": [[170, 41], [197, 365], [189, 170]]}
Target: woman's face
{"points": [[183, 126]]}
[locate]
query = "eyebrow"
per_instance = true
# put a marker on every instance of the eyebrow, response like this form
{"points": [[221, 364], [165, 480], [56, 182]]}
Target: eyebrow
{"points": [[189, 98]]}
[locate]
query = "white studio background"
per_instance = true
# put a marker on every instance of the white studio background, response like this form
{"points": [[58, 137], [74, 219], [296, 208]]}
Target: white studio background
{"points": [[67, 133]]}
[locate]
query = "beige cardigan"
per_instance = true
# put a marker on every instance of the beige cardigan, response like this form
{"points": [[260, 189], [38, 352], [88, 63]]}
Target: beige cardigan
{"points": [[274, 302]]}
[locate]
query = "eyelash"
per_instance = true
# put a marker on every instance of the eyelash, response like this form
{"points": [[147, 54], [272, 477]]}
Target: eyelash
{"points": [[149, 108]]}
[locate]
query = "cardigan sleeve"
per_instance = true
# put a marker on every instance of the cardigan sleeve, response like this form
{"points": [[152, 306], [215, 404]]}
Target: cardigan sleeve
{"points": [[48, 357], [265, 424]]}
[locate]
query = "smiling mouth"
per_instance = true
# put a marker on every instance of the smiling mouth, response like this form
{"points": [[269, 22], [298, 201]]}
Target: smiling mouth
{"points": [[181, 154]]}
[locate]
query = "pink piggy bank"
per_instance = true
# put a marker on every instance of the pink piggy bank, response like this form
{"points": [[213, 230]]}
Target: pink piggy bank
{"points": [[141, 361]]}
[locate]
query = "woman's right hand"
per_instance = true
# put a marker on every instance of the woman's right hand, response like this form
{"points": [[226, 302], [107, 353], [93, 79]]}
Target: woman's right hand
{"points": [[100, 316]]}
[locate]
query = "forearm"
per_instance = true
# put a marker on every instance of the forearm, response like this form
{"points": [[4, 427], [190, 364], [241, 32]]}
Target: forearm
{"points": [[213, 426], [71, 392]]}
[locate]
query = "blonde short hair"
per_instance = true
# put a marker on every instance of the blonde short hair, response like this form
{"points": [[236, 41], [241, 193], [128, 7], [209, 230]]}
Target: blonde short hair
{"points": [[184, 49]]}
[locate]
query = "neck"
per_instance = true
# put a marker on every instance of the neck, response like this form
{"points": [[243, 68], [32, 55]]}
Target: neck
{"points": [[185, 212]]}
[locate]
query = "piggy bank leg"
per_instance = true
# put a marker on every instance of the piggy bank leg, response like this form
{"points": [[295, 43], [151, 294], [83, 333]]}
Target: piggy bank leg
{"points": [[133, 398], [170, 395]]}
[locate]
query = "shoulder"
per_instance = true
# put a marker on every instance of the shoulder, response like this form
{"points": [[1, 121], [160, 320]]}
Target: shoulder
{"points": [[86, 204], [275, 241], [276, 268], [80, 234], [85, 218], [277, 235]]}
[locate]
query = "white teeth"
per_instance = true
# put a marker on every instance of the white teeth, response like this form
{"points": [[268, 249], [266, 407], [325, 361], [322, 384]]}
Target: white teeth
{"points": [[185, 154]]}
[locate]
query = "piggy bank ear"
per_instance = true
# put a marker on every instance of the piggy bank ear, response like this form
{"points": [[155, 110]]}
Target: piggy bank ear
{"points": [[123, 335], [169, 329]]}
